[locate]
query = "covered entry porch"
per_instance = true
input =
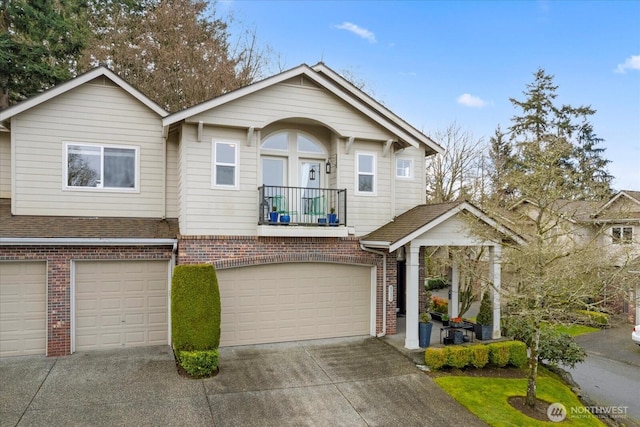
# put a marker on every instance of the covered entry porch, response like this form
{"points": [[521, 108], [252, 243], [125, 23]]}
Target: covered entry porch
{"points": [[456, 224]]}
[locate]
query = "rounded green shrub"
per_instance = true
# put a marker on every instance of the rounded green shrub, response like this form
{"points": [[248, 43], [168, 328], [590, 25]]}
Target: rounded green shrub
{"points": [[457, 356], [479, 356], [435, 357], [517, 353], [199, 363], [498, 354], [195, 308]]}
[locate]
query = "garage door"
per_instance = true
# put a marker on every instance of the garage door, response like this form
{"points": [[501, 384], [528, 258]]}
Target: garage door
{"points": [[120, 304], [23, 308], [297, 301]]}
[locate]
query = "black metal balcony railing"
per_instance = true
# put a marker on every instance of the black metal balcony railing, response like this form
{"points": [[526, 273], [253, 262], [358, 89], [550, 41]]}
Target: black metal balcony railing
{"points": [[302, 206]]}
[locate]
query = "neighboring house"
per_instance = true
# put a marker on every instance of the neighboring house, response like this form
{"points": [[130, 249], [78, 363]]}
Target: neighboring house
{"points": [[103, 192], [615, 226]]}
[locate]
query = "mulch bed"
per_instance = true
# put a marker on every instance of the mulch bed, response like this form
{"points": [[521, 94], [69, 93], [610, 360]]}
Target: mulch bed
{"points": [[539, 412]]}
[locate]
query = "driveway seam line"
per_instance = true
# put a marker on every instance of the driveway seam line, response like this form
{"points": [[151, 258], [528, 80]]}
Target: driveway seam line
{"points": [[206, 396], [37, 391]]}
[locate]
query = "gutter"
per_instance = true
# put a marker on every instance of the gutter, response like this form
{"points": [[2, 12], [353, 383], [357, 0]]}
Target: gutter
{"points": [[384, 287], [73, 241]]}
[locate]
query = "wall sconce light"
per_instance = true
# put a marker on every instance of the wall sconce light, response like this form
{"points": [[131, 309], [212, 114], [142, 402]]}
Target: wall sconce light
{"points": [[332, 162], [400, 254], [312, 174]]}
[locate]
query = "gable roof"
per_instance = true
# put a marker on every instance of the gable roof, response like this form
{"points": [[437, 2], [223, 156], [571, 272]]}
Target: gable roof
{"points": [[633, 196], [74, 83], [332, 82], [423, 218]]}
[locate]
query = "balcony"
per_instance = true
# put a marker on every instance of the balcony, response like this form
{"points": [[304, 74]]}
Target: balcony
{"points": [[302, 211]]}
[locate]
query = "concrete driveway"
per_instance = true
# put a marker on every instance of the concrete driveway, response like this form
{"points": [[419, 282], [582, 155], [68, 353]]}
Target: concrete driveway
{"points": [[343, 382]]}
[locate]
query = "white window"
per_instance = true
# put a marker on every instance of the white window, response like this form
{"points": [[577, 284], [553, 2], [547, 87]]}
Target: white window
{"points": [[621, 235], [366, 170], [101, 166], [404, 168], [225, 164]]}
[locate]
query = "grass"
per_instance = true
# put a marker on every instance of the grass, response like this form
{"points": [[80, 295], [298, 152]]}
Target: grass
{"points": [[575, 330], [486, 397]]}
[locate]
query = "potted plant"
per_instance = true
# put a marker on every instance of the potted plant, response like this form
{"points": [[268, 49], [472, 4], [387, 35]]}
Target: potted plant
{"points": [[273, 215], [332, 216], [445, 319], [424, 330], [484, 320], [456, 322]]}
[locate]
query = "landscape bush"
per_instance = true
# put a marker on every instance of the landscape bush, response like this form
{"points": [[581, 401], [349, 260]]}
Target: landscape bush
{"points": [[199, 363], [499, 354], [435, 283], [195, 308], [595, 318]]}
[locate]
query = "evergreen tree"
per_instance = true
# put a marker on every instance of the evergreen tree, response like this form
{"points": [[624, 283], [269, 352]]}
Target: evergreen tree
{"points": [[500, 162], [40, 41]]}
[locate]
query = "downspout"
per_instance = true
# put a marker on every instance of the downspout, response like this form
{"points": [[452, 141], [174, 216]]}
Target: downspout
{"points": [[384, 287]]}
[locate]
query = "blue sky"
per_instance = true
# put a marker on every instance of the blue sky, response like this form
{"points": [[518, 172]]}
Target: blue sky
{"points": [[436, 62]]}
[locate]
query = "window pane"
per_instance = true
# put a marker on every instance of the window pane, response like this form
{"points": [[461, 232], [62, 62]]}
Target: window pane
{"points": [[273, 172], [365, 183], [277, 142], [365, 163], [119, 168], [226, 153], [83, 166], [306, 144], [225, 175], [403, 168]]}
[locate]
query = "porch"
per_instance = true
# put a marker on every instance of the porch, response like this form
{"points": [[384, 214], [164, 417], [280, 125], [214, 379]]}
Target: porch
{"points": [[302, 206]]}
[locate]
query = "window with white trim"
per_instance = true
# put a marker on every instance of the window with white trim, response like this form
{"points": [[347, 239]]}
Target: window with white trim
{"points": [[101, 166], [225, 164], [621, 235], [366, 171], [404, 168]]}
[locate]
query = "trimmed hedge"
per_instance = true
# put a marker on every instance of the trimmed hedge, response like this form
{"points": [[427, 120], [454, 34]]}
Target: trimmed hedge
{"points": [[195, 308], [499, 354], [199, 363], [595, 317]]}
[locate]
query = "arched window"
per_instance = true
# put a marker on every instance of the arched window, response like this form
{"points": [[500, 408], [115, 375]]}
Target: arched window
{"points": [[291, 158]]}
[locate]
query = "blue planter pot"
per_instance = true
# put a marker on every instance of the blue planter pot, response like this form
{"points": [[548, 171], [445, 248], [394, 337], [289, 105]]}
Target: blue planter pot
{"points": [[424, 334], [285, 219], [322, 221], [273, 217], [333, 219]]}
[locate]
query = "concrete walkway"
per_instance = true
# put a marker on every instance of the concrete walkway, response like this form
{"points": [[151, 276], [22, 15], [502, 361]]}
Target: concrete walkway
{"points": [[359, 381]]}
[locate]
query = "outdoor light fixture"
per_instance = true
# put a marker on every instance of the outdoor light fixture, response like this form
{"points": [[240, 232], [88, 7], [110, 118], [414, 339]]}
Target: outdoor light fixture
{"points": [[312, 174], [332, 162]]}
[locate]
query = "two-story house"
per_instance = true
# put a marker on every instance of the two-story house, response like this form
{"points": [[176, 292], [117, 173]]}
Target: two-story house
{"points": [[305, 193]]}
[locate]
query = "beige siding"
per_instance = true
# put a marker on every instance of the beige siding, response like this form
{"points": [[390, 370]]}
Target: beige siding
{"points": [[91, 113], [214, 211], [409, 192], [172, 177], [5, 165], [287, 100]]}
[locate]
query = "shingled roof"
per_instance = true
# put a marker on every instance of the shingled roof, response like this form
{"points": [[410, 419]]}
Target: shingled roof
{"points": [[31, 226], [410, 221]]}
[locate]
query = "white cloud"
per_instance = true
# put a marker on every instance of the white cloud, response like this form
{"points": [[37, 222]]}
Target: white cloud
{"points": [[471, 101], [631, 63], [360, 32]]}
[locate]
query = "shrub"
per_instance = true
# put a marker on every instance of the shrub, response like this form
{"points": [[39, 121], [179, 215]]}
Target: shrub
{"points": [[498, 354], [440, 305], [435, 357], [517, 353], [199, 363], [434, 283], [457, 356], [479, 356], [485, 313], [595, 317], [195, 308]]}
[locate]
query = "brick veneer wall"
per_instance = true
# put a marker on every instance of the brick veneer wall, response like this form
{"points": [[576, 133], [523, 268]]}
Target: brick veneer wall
{"points": [[241, 251], [58, 260]]}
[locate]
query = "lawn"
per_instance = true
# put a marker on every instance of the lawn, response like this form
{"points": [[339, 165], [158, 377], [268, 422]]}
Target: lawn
{"points": [[575, 330], [487, 398]]}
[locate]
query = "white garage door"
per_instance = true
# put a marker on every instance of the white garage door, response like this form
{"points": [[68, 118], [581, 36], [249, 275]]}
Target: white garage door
{"points": [[120, 304], [23, 308], [297, 301]]}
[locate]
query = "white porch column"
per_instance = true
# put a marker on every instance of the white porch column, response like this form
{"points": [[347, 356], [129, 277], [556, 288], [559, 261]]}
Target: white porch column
{"points": [[495, 253], [412, 298], [455, 287]]}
